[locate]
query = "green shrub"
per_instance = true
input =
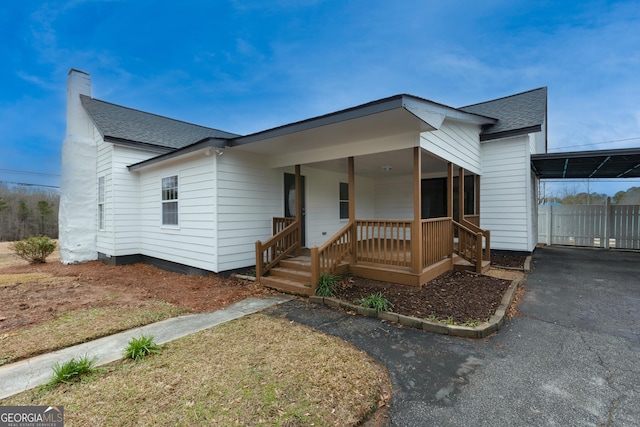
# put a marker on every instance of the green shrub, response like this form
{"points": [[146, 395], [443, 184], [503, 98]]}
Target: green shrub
{"points": [[376, 301], [139, 348], [72, 369], [34, 249], [327, 285]]}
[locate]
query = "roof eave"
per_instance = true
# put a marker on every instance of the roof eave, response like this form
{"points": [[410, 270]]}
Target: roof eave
{"points": [[510, 133], [137, 144], [324, 120], [592, 153], [205, 144]]}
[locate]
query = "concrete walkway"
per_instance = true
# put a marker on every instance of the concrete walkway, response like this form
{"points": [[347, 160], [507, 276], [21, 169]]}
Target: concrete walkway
{"points": [[26, 374]]}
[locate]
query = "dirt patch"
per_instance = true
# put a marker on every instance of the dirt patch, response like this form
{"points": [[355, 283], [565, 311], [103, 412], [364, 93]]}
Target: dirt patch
{"points": [[456, 296], [43, 291]]}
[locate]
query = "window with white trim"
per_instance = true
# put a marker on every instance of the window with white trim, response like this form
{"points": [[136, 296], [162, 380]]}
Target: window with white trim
{"points": [[170, 200], [101, 217], [344, 200]]}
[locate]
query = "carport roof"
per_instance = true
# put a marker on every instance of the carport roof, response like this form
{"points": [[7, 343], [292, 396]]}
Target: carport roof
{"points": [[619, 163]]}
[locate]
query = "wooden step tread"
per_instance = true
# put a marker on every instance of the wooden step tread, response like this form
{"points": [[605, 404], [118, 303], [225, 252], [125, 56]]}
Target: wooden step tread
{"points": [[298, 263], [293, 273], [286, 285]]}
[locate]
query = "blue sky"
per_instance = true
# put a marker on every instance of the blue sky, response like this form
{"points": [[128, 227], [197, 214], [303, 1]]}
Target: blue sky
{"points": [[244, 66]]}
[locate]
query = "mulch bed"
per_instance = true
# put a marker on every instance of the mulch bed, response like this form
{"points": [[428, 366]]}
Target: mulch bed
{"points": [[457, 296], [502, 259]]}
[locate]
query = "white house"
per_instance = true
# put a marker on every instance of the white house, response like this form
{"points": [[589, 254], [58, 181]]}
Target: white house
{"points": [[353, 185]]}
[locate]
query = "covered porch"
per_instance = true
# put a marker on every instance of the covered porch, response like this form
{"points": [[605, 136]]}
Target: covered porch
{"points": [[407, 251]]}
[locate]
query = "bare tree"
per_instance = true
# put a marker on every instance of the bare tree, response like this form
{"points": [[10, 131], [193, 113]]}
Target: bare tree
{"points": [[27, 212]]}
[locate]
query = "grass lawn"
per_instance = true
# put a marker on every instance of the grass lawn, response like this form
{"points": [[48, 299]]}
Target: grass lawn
{"points": [[80, 326], [256, 370]]}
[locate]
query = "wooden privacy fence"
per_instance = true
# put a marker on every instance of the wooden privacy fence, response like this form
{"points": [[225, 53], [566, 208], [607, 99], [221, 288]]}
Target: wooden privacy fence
{"points": [[604, 226]]}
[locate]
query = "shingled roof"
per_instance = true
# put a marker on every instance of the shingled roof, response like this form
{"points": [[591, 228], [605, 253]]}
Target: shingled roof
{"points": [[517, 114], [126, 124]]}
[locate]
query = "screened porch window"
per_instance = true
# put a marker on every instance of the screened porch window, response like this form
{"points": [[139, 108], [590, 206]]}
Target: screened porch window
{"points": [[170, 200]]}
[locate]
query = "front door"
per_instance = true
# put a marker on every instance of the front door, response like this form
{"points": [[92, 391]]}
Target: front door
{"points": [[290, 200]]}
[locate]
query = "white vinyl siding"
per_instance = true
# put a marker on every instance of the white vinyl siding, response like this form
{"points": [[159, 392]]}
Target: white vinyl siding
{"points": [[505, 193], [322, 205], [249, 195], [120, 235], [394, 197], [193, 242], [104, 237], [455, 142], [125, 187]]}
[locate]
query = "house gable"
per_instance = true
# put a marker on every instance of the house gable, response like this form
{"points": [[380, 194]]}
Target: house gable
{"points": [[517, 114]]}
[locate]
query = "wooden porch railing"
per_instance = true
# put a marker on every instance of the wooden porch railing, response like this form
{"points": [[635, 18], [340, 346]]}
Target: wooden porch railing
{"points": [[280, 224], [327, 258], [269, 253], [383, 242], [469, 245], [473, 219], [437, 240], [469, 221]]}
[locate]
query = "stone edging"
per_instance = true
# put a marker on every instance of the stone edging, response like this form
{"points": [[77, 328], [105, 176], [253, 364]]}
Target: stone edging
{"points": [[526, 267], [481, 331]]}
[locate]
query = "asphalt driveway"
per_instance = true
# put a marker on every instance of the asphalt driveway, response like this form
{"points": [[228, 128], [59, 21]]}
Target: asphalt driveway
{"points": [[571, 359]]}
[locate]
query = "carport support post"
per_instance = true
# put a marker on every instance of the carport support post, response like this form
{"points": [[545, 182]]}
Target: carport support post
{"points": [[549, 223], [607, 223]]}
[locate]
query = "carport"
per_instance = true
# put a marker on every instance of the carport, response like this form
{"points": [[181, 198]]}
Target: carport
{"points": [[619, 163], [602, 226]]}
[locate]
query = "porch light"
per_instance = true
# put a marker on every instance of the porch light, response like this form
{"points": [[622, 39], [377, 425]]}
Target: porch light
{"points": [[386, 169]]}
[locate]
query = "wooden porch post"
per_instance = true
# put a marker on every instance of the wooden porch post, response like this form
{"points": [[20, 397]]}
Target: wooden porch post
{"points": [[450, 190], [298, 250], [450, 208], [352, 207], [477, 198], [352, 190], [461, 195], [416, 232]]}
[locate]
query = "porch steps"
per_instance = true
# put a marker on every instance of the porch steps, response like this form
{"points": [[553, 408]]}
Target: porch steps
{"points": [[292, 276], [461, 264]]}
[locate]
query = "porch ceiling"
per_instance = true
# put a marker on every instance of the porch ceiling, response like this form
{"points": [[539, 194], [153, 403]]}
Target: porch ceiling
{"points": [[621, 163], [400, 163]]}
